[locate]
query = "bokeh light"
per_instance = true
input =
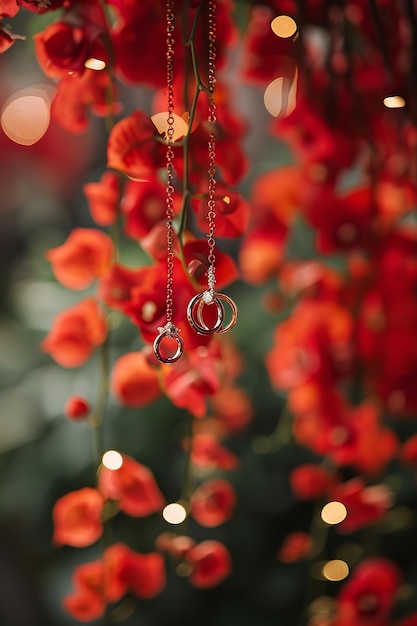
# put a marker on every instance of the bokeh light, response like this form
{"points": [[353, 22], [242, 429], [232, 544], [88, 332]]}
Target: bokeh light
{"points": [[333, 513], [335, 570], [174, 513], [284, 26], [280, 95], [112, 460], [25, 116], [95, 64], [394, 102]]}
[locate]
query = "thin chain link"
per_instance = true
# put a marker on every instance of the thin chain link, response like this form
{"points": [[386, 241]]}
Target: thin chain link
{"points": [[170, 158], [211, 203]]}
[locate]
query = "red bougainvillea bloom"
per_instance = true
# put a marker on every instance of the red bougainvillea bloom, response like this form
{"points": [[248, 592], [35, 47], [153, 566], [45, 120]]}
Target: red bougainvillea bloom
{"points": [[145, 574], [408, 452], [133, 486], [84, 605], [211, 564], [310, 481], [368, 597], [342, 222], [365, 505], [195, 253], [84, 257], [132, 147], [77, 408], [314, 344], [207, 451], [77, 518], [103, 198], [193, 378], [115, 287], [78, 95], [144, 205], [212, 503], [232, 407], [64, 47], [133, 381], [232, 213], [108, 580], [75, 333], [295, 547]]}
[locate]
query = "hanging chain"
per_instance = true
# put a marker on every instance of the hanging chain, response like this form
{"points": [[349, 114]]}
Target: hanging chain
{"points": [[211, 203], [195, 309], [169, 331], [170, 158]]}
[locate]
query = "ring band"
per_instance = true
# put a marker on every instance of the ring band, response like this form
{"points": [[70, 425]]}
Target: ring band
{"points": [[157, 343], [195, 318]]}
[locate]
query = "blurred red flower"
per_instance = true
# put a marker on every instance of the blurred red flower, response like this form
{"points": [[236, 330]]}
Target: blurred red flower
{"points": [[133, 486], [211, 564], [78, 95], [75, 333], [132, 147], [208, 452], [133, 381], [365, 505], [103, 198], [77, 518], [310, 481], [85, 256], [213, 502], [295, 547], [77, 407], [369, 595]]}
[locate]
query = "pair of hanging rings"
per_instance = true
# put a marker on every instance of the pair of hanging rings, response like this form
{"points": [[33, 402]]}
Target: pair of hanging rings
{"points": [[195, 312]]}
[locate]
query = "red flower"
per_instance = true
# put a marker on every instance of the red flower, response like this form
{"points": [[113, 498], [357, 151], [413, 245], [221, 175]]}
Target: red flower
{"points": [[232, 407], [368, 597], [75, 333], [9, 8], [145, 574], [409, 451], [365, 505], [232, 213], [108, 580], [115, 287], [133, 486], [310, 481], [84, 257], [192, 379], [103, 198], [77, 518], [208, 452], [211, 564], [144, 206], [342, 222], [132, 147], [77, 407], [212, 503], [134, 382], [84, 605], [295, 547], [314, 344], [77, 95], [196, 252], [62, 48]]}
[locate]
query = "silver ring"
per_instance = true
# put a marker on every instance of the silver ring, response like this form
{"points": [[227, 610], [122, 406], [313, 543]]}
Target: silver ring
{"points": [[223, 296], [157, 346], [195, 314]]}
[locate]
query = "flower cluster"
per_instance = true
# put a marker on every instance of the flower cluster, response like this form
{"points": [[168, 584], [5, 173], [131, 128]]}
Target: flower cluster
{"points": [[343, 354]]}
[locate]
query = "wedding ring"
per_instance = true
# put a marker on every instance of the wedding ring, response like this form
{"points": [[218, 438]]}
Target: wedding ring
{"points": [[219, 297], [171, 332], [195, 313]]}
